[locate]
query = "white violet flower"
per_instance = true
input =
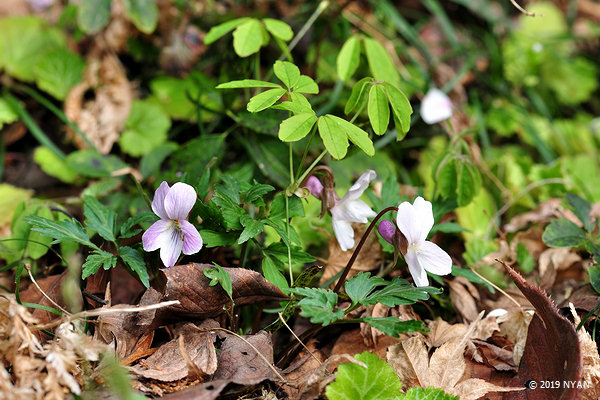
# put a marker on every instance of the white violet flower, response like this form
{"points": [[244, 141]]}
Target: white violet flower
{"points": [[415, 221], [172, 233], [435, 107], [351, 209]]}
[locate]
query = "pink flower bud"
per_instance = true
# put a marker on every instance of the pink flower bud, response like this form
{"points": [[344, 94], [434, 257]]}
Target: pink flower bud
{"points": [[387, 230], [314, 185]]}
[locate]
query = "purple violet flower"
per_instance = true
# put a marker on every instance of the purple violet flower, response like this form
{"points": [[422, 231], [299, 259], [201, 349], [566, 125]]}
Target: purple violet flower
{"points": [[173, 233]]}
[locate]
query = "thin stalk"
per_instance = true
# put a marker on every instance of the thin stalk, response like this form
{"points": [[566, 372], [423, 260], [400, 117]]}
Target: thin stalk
{"points": [[311, 20], [287, 216], [310, 138], [310, 168], [359, 247]]}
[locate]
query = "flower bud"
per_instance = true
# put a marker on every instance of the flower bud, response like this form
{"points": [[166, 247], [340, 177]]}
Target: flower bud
{"points": [[314, 185]]}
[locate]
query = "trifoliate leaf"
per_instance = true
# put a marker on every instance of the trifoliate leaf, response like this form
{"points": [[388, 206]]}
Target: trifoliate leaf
{"points": [[381, 64], [354, 133], [97, 258], [318, 305], [358, 97], [146, 127], [246, 83], [377, 381], [401, 108], [563, 233], [135, 261]]}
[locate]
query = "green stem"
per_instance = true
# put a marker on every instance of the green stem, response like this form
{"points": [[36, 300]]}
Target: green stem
{"points": [[287, 216], [310, 168], [311, 20], [310, 138]]}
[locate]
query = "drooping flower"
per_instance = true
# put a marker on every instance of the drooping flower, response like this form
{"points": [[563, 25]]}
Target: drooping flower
{"points": [[415, 221], [351, 209], [435, 107], [172, 233]]}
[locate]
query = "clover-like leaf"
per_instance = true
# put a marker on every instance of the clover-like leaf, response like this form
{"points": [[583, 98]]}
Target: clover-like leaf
{"points": [[296, 127], [378, 109], [265, 99], [348, 58]]}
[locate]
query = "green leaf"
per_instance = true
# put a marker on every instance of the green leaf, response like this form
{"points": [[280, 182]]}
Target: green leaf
{"points": [[470, 275], [264, 100], [145, 128], [306, 84], [252, 228], [430, 393], [582, 210], [361, 285], [279, 251], [296, 127], [151, 161], [246, 83], [7, 115], [358, 95], [26, 243], [248, 37], [97, 258], [256, 192], [399, 291], [318, 305], [127, 230], [223, 29], [468, 184], [381, 64], [377, 381], [92, 164], [393, 326], [334, 138], [216, 239], [348, 58], [176, 96], [93, 15], [295, 207], [273, 275], [287, 73], [446, 179], [400, 107], [378, 109], [99, 218], [135, 261], [354, 133], [524, 258], [53, 165], [563, 233], [60, 230], [218, 275], [143, 14], [278, 28], [58, 71], [594, 272]]}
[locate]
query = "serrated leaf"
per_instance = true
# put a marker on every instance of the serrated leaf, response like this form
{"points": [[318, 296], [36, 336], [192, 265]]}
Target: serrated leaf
{"points": [[378, 109], [248, 37], [143, 14], [218, 31], [256, 192], [468, 182], [246, 83], [295, 207], [582, 209], [306, 84], [334, 138], [377, 381], [318, 305], [380, 63], [279, 251], [135, 261], [217, 239], [273, 274], [127, 230], [296, 127], [99, 218], [53, 165], [252, 228], [393, 326], [398, 292], [361, 285], [96, 259], [563, 233], [58, 71], [218, 275], [358, 95], [430, 393], [146, 128], [287, 73], [594, 272], [60, 230], [348, 58], [401, 108], [264, 100], [354, 133], [93, 15], [278, 28]]}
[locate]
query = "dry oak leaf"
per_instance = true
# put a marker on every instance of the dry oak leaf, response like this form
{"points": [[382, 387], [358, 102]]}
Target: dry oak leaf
{"points": [[552, 351], [169, 363], [464, 297], [444, 370], [51, 285], [514, 325]]}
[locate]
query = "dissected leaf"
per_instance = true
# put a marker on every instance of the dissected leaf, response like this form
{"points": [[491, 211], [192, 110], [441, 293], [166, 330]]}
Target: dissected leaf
{"points": [[134, 259], [318, 304], [99, 218], [60, 230], [393, 326], [95, 260]]}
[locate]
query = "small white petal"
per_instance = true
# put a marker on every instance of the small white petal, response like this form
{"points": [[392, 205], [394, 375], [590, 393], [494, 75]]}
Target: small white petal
{"points": [[424, 215], [158, 233], [359, 186], [158, 202], [436, 107], [192, 241], [497, 312], [434, 259], [416, 270], [353, 211], [408, 223], [171, 248], [343, 233], [179, 201]]}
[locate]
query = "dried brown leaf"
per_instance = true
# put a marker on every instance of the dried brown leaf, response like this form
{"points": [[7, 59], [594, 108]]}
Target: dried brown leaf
{"points": [[203, 391], [591, 361], [51, 285], [464, 297], [410, 361]]}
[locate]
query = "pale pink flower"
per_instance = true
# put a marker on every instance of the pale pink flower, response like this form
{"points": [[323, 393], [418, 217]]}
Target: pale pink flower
{"points": [[415, 221], [173, 233], [435, 107]]}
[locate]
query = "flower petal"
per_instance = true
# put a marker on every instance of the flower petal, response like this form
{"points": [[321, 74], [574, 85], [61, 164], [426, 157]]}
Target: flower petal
{"points": [[359, 186], [436, 107], [314, 185], [343, 233], [179, 201], [157, 234], [408, 223], [424, 214], [416, 270], [192, 241], [171, 247], [158, 202], [434, 259], [354, 211]]}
